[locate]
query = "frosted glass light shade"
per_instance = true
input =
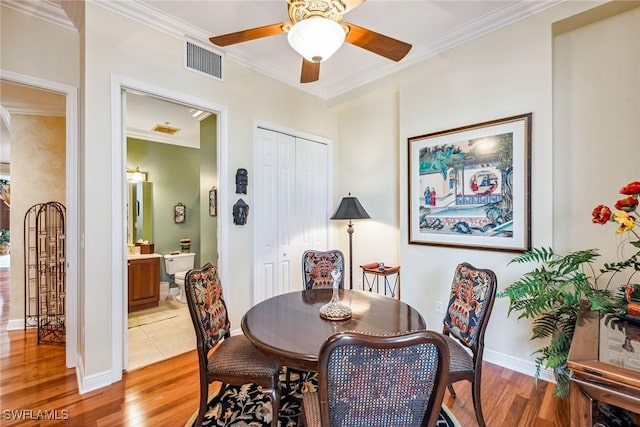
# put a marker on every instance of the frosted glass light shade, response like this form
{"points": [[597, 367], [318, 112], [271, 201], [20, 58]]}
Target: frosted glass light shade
{"points": [[316, 38]]}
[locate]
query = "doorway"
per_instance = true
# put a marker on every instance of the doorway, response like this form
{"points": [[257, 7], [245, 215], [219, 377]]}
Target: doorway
{"points": [[121, 89], [171, 161], [38, 93]]}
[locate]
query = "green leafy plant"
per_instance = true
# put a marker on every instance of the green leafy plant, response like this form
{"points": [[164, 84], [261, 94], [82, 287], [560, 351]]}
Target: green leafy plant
{"points": [[5, 240], [551, 295]]}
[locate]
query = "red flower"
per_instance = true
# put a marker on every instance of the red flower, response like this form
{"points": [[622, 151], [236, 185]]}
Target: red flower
{"points": [[628, 204], [601, 214], [631, 188]]}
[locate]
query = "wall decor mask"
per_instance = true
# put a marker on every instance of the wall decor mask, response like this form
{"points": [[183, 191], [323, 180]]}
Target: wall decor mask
{"points": [[240, 212]]}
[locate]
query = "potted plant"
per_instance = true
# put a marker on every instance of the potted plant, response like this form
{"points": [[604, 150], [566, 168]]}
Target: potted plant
{"points": [[4, 241], [551, 295], [553, 292]]}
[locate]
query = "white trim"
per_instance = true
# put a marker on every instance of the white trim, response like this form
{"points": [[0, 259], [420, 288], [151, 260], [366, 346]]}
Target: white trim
{"points": [[526, 367], [15, 324], [91, 382], [46, 10], [119, 239], [72, 226]]}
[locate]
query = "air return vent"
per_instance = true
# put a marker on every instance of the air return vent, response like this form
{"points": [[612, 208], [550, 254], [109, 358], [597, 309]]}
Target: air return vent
{"points": [[202, 60]]}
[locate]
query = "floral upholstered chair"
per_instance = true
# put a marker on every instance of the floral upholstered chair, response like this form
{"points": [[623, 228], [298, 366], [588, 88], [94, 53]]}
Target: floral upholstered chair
{"points": [[317, 267], [472, 295], [372, 380], [234, 359]]}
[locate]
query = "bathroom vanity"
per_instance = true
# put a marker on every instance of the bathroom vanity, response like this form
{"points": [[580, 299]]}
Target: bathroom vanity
{"points": [[143, 281]]}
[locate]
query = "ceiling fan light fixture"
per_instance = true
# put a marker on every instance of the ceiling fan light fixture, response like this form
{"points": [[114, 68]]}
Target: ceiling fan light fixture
{"points": [[316, 38]]}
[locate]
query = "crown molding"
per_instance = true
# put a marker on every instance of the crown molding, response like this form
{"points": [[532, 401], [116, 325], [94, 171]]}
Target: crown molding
{"points": [[149, 16], [46, 10]]}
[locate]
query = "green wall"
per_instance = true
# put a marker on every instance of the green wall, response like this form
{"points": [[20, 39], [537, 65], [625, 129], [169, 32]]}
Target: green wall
{"points": [[175, 173], [208, 179]]}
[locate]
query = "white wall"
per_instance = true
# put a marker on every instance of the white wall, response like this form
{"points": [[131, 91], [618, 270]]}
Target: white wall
{"points": [[121, 47], [596, 127], [505, 73]]}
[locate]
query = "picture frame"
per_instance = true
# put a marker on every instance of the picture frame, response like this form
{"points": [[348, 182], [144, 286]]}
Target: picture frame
{"points": [[213, 202], [470, 186], [179, 213]]}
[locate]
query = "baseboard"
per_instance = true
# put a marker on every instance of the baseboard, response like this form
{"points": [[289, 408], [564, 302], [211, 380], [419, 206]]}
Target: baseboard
{"points": [[15, 324], [91, 382], [524, 366]]}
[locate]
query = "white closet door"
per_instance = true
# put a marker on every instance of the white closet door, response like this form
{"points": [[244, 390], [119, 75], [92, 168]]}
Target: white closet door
{"points": [[290, 209], [311, 195]]}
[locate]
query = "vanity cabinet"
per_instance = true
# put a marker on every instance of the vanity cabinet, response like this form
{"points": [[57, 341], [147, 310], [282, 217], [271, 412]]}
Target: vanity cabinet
{"points": [[144, 282]]}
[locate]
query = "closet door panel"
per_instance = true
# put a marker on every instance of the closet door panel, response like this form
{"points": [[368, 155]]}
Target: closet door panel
{"points": [[291, 213]]}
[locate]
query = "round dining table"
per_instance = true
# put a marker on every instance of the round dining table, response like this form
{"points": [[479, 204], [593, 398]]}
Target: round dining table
{"points": [[289, 329]]}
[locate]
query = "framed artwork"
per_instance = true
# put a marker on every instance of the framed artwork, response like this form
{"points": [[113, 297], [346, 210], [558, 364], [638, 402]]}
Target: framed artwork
{"points": [[470, 186], [179, 213], [213, 202]]}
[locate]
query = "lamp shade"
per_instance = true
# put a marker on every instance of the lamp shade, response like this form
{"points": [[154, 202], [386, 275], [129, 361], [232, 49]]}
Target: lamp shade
{"points": [[316, 38], [350, 208]]}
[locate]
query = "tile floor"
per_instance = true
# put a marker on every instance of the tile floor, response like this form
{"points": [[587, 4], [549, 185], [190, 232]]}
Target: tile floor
{"points": [[152, 342]]}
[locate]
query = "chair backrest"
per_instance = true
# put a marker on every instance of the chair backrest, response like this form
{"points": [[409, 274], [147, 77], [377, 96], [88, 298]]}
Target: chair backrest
{"points": [[207, 307], [473, 292], [390, 380], [317, 267]]}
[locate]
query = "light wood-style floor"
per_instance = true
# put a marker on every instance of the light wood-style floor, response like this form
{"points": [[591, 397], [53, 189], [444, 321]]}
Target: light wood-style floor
{"points": [[34, 378]]}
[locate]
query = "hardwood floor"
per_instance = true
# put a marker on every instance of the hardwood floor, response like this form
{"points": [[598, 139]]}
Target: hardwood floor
{"points": [[34, 378]]}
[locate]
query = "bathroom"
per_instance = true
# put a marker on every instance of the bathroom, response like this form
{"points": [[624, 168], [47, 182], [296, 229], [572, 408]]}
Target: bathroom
{"points": [[170, 177]]}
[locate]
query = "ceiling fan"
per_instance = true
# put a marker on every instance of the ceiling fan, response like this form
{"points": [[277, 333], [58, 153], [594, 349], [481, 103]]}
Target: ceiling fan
{"points": [[316, 31]]}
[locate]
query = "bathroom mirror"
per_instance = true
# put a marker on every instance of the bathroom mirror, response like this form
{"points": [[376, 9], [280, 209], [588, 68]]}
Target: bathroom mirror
{"points": [[140, 212]]}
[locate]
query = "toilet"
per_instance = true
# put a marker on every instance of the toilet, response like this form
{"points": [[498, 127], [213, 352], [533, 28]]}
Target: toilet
{"points": [[177, 266]]}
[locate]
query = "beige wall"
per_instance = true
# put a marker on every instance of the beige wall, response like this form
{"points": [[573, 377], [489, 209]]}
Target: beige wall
{"points": [[121, 47], [508, 72], [37, 176], [34, 47]]}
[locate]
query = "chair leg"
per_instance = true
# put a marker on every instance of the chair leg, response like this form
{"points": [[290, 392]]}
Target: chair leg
{"points": [[275, 404], [202, 409], [288, 380], [477, 401], [452, 392]]}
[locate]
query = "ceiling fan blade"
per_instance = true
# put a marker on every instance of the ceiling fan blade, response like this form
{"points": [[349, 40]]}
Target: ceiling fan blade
{"points": [[351, 4], [246, 35], [310, 71], [376, 42]]}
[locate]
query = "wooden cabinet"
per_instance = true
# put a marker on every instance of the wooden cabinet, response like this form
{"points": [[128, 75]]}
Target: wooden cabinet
{"points": [[601, 373], [144, 282]]}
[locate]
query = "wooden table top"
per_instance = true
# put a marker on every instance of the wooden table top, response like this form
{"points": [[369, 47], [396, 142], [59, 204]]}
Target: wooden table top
{"points": [[289, 328]]}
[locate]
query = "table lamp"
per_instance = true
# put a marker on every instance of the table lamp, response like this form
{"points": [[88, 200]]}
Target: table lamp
{"points": [[350, 208]]}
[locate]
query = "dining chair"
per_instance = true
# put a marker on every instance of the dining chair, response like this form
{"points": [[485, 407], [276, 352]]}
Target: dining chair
{"points": [[317, 267], [222, 357], [378, 380], [473, 293], [316, 274]]}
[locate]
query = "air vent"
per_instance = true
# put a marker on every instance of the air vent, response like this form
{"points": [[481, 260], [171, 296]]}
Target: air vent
{"points": [[202, 60]]}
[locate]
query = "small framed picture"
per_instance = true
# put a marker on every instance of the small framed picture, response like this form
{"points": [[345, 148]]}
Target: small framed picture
{"points": [[213, 202], [179, 213]]}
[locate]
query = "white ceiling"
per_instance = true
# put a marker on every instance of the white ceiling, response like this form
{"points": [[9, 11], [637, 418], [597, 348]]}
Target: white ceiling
{"points": [[431, 26]]}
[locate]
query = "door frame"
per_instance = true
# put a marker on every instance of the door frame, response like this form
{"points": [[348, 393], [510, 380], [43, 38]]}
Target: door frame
{"points": [[257, 184], [119, 86], [71, 187]]}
